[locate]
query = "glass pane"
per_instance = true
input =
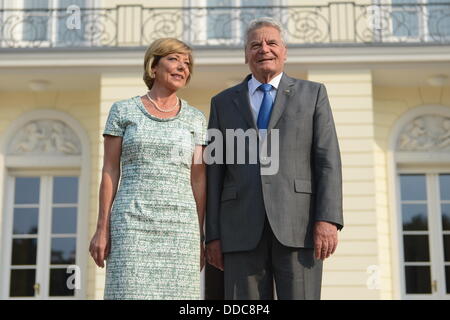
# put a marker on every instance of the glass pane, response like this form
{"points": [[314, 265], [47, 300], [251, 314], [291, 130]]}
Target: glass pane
{"points": [[36, 22], [58, 283], [22, 283], [416, 248], [418, 279], [25, 221], [256, 3], [405, 19], [64, 220], [26, 190], [413, 187], [65, 190], [414, 217], [447, 278], [24, 251], [445, 209], [447, 247], [219, 21], [438, 19], [247, 15], [444, 186], [71, 27], [63, 251]]}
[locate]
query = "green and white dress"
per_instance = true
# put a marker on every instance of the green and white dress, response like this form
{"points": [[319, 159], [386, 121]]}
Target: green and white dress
{"points": [[155, 239]]}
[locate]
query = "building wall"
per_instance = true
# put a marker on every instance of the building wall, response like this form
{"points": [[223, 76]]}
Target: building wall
{"points": [[345, 273]]}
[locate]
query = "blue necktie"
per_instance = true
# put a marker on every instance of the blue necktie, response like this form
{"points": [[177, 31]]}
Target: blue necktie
{"points": [[266, 107]]}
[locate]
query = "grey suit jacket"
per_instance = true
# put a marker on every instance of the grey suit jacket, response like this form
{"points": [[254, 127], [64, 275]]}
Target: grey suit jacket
{"points": [[308, 185]]}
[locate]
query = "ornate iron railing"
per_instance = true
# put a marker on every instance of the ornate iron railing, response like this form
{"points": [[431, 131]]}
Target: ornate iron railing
{"points": [[334, 24]]}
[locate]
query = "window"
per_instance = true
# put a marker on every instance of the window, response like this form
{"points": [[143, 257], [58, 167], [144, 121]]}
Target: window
{"points": [[43, 212], [422, 151], [425, 215], [48, 23], [225, 21], [425, 20]]}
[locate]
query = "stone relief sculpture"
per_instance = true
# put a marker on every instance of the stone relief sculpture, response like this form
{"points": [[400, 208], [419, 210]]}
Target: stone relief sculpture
{"points": [[60, 141], [33, 135], [444, 140], [425, 133], [45, 137]]}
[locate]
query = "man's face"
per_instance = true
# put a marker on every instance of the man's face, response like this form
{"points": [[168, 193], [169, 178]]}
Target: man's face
{"points": [[265, 52]]}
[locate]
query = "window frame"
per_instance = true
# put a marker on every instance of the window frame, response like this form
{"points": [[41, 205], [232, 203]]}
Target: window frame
{"points": [[200, 25], [12, 164], [52, 27], [435, 233], [409, 162], [423, 33], [44, 236]]}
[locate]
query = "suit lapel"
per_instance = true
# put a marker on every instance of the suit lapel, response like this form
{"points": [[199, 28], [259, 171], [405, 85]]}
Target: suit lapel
{"points": [[284, 92], [242, 103]]}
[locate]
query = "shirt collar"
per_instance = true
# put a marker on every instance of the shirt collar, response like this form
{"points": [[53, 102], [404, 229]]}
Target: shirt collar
{"points": [[253, 84]]}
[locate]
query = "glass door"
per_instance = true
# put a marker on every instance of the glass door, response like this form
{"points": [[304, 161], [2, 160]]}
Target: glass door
{"points": [[24, 240], [420, 20], [425, 235], [48, 23], [219, 24], [42, 225], [444, 195]]}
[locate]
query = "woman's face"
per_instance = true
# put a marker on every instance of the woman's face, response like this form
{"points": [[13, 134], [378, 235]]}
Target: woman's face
{"points": [[172, 71]]}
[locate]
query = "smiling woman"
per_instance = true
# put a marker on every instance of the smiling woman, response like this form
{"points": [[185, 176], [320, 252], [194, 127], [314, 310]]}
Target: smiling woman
{"points": [[150, 232]]}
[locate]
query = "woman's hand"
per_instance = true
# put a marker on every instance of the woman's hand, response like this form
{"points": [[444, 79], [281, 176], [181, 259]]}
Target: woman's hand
{"points": [[100, 247]]}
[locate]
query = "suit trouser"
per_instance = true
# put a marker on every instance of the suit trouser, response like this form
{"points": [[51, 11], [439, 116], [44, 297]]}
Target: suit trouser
{"points": [[251, 274]]}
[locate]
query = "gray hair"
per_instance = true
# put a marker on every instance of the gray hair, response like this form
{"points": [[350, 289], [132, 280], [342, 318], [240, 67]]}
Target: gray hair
{"points": [[264, 22]]}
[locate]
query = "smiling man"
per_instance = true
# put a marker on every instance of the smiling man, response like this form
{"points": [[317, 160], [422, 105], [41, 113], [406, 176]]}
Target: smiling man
{"points": [[278, 228]]}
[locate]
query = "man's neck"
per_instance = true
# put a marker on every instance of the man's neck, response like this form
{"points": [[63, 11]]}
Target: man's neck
{"points": [[266, 78]]}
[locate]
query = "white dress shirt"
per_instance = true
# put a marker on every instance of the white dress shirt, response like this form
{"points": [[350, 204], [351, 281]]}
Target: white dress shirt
{"points": [[256, 96]]}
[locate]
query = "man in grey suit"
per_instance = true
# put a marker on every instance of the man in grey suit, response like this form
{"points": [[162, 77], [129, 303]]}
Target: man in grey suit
{"points": [[277, 228]]}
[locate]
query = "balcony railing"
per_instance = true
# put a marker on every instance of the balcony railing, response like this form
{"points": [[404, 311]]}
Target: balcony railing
{"points": [[334, 24]]}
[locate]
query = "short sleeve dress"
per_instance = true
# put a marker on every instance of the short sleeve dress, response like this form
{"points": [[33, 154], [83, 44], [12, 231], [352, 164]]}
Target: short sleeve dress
{"points": [[155, 239]]}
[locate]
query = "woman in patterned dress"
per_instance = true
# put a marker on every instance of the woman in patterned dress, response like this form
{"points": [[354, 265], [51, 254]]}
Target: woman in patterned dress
{"points": [[150, 231]]}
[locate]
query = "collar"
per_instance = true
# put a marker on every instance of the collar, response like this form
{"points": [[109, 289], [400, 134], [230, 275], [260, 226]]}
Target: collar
{"points": [[253, 84]]}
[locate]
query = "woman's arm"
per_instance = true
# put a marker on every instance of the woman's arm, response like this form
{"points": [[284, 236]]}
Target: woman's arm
{"points": [[198, 183], [100, 243]]}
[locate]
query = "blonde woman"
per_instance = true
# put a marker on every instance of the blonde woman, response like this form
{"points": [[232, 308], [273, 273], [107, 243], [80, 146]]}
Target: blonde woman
{"points": [[150, 232]]}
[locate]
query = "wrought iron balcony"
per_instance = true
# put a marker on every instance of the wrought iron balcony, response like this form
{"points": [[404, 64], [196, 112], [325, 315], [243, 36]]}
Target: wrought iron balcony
{"points": [[334, 24]]}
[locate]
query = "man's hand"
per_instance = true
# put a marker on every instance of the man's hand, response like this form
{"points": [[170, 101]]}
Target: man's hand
{"points": [[214, 254], [325, 239]]}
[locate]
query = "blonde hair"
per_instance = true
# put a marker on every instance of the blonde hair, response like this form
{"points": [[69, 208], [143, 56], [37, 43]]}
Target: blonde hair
{"points": [[161, 48]]}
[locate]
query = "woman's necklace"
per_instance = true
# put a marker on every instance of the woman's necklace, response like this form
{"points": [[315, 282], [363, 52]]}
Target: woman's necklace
{"points": [[162, 110]]}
